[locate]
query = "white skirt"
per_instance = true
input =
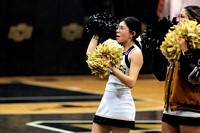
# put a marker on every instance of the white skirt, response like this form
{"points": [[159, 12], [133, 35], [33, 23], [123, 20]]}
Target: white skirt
{"points": [[116, 107]]}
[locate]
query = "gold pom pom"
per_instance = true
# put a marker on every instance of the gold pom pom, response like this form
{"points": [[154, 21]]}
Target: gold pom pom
{"points": [[108, 52], [188, 30]]}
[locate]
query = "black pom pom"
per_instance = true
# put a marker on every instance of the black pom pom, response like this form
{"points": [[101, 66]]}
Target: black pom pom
{"points": [[153, 35], [102, 24]]}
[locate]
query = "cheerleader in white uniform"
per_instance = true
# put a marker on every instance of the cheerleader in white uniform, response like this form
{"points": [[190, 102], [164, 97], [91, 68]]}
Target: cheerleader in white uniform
{"points": [[116, 111]]}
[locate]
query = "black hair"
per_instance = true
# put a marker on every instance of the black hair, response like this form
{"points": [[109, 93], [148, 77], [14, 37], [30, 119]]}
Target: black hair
{"points": [[134, 25]]}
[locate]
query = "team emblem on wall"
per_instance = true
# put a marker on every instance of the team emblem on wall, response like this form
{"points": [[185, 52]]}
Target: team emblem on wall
{"points": [[20, 32], [72, 31]]}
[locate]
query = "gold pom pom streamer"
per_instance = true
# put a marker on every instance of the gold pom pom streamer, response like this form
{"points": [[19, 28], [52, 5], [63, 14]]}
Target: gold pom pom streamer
{"points": [[188, 30], [108, 52]]}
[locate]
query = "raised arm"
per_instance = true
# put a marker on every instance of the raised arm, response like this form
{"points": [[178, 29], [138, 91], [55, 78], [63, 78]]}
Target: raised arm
{"points": [[92, 45]]}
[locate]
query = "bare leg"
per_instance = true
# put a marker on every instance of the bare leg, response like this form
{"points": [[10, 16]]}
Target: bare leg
{"points": [[97, 128], [120, 130], [170, 128], [189, 129]]}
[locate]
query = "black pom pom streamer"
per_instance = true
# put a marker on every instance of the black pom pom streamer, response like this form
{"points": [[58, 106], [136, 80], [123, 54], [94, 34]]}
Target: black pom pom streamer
{"points": [[153, 35], [102, 24]]}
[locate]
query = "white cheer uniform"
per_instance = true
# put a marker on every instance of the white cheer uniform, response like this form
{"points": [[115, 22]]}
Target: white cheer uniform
{"points": [[117, 106]]}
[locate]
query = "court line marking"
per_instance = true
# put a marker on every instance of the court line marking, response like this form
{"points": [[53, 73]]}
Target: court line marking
{"points": [[37, 125], [50, 97]]}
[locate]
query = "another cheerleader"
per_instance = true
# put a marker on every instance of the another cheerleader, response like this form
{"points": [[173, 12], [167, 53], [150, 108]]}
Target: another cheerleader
{"points": [[182, 85]]}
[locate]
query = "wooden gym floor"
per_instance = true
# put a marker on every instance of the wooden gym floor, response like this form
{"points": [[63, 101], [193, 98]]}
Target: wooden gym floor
{"points": [[66, 104]]}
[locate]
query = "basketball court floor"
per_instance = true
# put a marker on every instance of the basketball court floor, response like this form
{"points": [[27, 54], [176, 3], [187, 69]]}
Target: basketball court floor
{"points": [[66, 104]]}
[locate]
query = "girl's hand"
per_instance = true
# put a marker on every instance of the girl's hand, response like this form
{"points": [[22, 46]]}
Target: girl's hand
{"points": [[96, 37], [183, 44], [111, 66]]}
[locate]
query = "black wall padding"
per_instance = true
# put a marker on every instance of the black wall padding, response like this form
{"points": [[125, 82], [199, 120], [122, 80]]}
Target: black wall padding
{"points": [[19, 54], [46, 52], [2, 37], [46, 37], [71, 54]]}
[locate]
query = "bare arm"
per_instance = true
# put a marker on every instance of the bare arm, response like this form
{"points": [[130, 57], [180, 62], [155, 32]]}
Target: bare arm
{"points": [[183, 44], [92, 45], [136, 61]]}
